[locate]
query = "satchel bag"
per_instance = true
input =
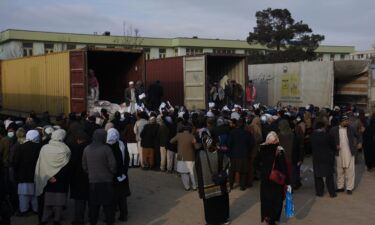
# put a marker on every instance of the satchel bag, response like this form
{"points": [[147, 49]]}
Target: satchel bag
{"points": [[276, 175]]}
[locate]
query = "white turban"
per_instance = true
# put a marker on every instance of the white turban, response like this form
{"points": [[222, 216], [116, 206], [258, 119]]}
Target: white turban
{"points": [[33, 136]]}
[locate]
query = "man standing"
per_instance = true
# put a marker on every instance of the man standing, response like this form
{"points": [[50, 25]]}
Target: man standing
{"points": [[251, 93], [93, 86], [237, 93], [155, 93], [229, 92], [149, 143], [346, 147], [100, 164], [130, 97], [139, 90], [217, 95]]}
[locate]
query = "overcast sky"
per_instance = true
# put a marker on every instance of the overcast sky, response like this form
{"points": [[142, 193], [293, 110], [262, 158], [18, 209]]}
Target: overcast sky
{"points": [[343, 22]]}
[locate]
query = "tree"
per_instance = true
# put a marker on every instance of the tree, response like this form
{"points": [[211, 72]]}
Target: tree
{"points": [[131, 37], [278, 31]]}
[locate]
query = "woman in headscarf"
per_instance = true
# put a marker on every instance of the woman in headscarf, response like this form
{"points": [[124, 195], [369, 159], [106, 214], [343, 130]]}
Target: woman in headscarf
{"points": [[52, 176], [210, 161], [24, 168], [271, 155], [121, 180]]}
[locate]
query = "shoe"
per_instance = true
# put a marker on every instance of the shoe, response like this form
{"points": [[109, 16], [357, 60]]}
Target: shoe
{"points": [[349, 192], [333, 196], [340, 190], [243, 189], [187, 189], [319, 195], [226, 223]]}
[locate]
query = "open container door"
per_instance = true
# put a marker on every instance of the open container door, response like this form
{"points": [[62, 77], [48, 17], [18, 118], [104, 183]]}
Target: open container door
{"points": [[78, 87], [195, 82]]}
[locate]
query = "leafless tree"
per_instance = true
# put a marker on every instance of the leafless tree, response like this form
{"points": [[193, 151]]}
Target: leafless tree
{"points": [[131, 37]]}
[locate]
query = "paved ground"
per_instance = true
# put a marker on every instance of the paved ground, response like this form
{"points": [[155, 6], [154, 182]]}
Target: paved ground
{"points": [[159, 198]]}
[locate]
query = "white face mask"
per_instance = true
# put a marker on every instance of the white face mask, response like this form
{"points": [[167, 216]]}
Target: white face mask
{"points": [[10, 134]]}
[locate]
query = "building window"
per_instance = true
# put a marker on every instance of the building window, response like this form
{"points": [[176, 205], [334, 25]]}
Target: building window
{"points": [[147, 53], [70, 47], [27, 49], [224, 51], [110, 46], [48, 48], [162, 53], [342, 56], [194, 51], [332, 57], [176, 52]]}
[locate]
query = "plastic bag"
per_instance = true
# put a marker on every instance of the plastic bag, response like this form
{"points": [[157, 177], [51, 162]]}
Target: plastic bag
{"points": [[289, 205]]}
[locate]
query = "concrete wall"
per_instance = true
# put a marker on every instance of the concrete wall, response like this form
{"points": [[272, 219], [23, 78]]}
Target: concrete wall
{"points": [[297, 84], [170, 52], [154, 53], [181, 51], [38, 48], [240, 51], [208, 50], [12, 49]]}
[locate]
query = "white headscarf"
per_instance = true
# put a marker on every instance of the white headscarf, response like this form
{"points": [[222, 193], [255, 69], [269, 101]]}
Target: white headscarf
{"points": [[52, 158], [113, 136], [33, 136], [271, 138], [58, 135]]}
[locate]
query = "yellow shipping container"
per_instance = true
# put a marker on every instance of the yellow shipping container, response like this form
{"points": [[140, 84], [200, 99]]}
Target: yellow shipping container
{"points": [[40, 83]]}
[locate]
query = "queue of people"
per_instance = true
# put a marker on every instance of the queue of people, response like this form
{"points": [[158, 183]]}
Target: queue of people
{"points": [[213, 152]]}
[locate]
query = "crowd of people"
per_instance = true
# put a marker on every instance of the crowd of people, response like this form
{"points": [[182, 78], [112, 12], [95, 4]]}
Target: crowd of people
{"points": [[232, 93], [44, 163]]}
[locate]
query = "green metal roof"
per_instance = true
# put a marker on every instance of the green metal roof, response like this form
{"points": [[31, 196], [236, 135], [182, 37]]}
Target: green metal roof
{"points": [[23, 35]]}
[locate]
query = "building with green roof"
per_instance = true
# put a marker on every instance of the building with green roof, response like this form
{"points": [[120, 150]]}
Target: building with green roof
{"points": [[19, 43]]}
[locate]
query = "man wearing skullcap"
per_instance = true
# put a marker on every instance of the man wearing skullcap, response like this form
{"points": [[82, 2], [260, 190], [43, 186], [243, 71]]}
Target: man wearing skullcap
{"points": [[346, 145]]}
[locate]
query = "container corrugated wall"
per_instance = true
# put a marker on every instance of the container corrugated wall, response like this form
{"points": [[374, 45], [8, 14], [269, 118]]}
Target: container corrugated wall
{"points": [[170, 72], [40, 83]]}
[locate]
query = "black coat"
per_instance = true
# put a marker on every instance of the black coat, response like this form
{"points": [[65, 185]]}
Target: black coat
{"points": [[122, 168], [240, 143], [353, 137], [25, 162], [323, 151], [62, 181], [149, 136], [368, 145], [271, 193], [79, 180]]}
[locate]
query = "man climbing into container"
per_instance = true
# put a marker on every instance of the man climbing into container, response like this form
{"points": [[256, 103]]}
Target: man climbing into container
{"points": [[130, 98], [93, 85]]}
